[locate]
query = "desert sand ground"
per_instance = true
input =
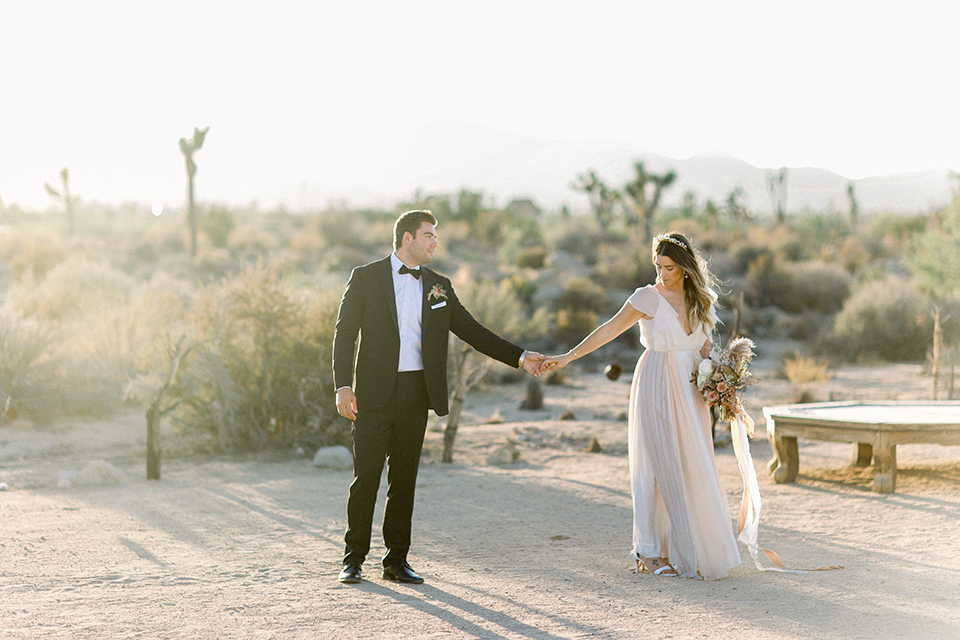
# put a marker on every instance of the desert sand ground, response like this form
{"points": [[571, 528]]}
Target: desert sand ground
{"points": [[249, 547]]}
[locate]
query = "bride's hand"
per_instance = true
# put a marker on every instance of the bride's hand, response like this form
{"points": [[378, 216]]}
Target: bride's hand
{"points": [[555, 362]]}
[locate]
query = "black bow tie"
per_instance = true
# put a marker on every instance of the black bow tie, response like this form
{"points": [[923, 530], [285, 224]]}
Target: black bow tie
{"points": [[414, 272]]}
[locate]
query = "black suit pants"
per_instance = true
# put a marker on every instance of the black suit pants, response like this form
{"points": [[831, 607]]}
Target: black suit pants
{"points": [[393, 434]]}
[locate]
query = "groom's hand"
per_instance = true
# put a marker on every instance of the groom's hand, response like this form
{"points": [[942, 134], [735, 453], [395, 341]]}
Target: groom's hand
{"points": [[347, 403], [532, 362]]}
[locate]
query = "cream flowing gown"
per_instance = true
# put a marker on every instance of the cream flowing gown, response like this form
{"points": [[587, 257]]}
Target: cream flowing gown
{"points": [[679, 505]]}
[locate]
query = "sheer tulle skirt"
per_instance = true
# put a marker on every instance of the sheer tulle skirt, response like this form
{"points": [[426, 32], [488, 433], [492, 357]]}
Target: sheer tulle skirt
{"points": [[679, 505]]}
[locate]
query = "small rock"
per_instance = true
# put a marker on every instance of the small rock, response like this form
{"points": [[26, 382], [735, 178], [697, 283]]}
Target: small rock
{"points": [[496, 418], [3, 486], [97, 472], [337, 457], [594, 446], [567, 415], [504, 454]]}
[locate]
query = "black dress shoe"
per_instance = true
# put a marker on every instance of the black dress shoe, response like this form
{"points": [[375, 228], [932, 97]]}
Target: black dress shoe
{"points": [[401, 573], [350, 573]]}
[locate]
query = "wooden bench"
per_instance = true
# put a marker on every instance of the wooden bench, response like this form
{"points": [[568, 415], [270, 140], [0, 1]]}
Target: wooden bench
{"points": [[874, 428]]}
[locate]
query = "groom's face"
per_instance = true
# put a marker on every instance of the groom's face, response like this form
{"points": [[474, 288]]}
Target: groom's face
{"points": [[423, 243]]}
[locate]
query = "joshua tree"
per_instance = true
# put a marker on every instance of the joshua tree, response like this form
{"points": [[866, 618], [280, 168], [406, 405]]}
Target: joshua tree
{"points": [[188, 148], [710, 212], [777, 184], [854, 206], [644, 204], [688, 206], [734, 207], [63, 195], [602, 199]]}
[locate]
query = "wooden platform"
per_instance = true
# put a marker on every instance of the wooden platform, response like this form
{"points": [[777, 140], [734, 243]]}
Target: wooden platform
{"points": [[874, 428]]}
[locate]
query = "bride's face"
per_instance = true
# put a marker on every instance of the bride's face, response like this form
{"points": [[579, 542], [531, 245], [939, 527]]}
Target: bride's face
{"points": [[669, 273]]}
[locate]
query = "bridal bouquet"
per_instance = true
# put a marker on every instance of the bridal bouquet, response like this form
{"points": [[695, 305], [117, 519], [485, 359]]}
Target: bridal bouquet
{"points": [[721, 376]]}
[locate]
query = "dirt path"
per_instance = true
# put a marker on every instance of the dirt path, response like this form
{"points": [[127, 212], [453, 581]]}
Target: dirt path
{"points": [[249, 548]]}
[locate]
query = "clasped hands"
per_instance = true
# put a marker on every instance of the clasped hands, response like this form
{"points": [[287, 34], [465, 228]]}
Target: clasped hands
{"points": [[539, 364]]}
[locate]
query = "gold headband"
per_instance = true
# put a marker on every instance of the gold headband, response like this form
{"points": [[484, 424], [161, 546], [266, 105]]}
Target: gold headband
{"points": [[663, 237]]}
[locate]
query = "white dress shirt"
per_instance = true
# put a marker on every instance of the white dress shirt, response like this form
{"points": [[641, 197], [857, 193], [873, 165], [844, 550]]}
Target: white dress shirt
{"points": [[409, 294]]}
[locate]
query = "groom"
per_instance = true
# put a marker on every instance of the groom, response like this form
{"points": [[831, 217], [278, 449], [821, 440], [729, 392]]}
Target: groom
{"points": [[402, 313]]}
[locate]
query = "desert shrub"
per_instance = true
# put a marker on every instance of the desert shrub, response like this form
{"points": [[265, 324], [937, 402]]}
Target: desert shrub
{"points": [[709, 241], [743, 255], [247, 242], [933, 256], [261, 376], [31, 256], [72, 289], [896, 229], [455, 236], [491, 227], [347, 239], [99, 319], [791, 248], [619, 268], [573, 325], [579, 237], [805, 326], [816, 286], [27, 363], [216, 222], [767, 281], [805, 286], [520, 231], [305, 250], [117, 337], [531, 258], [166, 234], [578, 308], [887, 320], [367, 233], [858, 251], [521, 286], [810, 234], [583, 293], [213, 262]]}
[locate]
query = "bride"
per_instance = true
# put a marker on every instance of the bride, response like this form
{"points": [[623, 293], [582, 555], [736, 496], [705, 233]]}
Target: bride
{"points": [[680, 520]]}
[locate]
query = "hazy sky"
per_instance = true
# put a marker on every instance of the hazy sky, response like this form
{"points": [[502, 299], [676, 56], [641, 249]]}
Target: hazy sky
{"points": [[302, 97]]}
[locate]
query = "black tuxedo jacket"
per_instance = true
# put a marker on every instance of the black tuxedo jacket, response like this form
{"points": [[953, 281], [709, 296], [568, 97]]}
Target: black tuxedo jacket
{"points": [[368, 310]]}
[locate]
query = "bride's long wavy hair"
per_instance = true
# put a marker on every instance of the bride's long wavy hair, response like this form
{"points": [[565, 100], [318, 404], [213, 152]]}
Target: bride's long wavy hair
{"points": [[699, 285]]}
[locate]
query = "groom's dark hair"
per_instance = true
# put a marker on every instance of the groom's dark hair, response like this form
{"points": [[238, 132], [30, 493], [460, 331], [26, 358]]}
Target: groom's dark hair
{"points": [[410, 221]]}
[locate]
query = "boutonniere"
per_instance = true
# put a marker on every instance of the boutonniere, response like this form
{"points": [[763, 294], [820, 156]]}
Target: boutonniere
{"points": [[437, 293]]}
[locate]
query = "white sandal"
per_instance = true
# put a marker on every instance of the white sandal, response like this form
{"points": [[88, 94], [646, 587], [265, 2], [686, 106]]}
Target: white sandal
{"points": [[660, 571]]}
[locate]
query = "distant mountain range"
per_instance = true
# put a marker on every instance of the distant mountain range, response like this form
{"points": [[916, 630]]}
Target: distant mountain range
{"points": [[504, 166]]}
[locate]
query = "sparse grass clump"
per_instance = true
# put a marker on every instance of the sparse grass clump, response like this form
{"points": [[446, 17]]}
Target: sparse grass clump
{"points": [[807, 374]]}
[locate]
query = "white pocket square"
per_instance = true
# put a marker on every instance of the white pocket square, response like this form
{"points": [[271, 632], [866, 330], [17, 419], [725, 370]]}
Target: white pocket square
{"points": [[439, 304]]}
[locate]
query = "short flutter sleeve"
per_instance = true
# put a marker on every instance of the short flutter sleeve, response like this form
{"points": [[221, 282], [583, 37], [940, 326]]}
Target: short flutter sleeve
{"points": [[645, 300]]}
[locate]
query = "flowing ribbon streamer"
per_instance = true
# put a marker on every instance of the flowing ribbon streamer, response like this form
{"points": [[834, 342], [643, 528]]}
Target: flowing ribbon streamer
{"points": [[748, 522]]}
